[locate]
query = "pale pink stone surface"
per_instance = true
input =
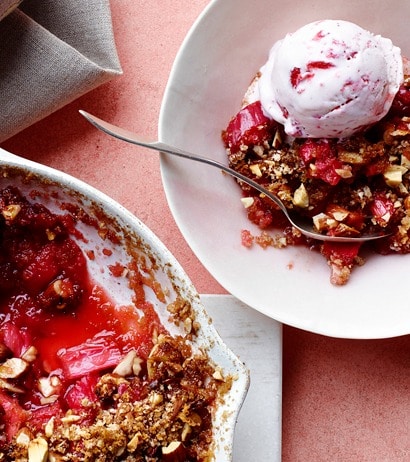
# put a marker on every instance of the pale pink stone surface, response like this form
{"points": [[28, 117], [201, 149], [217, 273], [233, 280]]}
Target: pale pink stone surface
{"points": [[343, 400]]}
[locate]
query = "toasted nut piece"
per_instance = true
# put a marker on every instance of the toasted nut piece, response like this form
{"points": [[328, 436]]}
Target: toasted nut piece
{"points": [[345, 172], [38, 450], [30, 354], [258, 150], [174, 452], [49, 386], [188, 325], [247, 201], [185, 431], [255, 169], [350, 157], [133, 443], [156, 398], [337, 212], [393, 176], [323, 222], [301, 197], [49, 400], [124, 368], [24, 436], [11, 211], [13, 368], [399, 133], [217, 375], [277, 140], [405, 161], [8, 386], [71, 418], [136, 366], [340, 216], [49, 428], [344, 230], [62, 290]]}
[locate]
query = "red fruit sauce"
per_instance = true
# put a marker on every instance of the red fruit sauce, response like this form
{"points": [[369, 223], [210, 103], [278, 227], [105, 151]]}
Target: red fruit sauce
{"points": [[48, 301]]}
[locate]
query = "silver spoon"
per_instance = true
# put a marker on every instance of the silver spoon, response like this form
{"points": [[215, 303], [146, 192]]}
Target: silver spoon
{"points": [[304, 225]]}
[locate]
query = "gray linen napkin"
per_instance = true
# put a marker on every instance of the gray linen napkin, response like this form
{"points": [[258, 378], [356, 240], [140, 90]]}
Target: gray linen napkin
{"points": [[52, 52]]}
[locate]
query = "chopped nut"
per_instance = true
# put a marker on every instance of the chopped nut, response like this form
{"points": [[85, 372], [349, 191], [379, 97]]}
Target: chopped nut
{"points": [[24, 436], [64, 289], [51, 235], [301, 197], [394, 175], [38, 450], [338, 213], [258, 150], [405, 161], [30, 354], [397, 133], [350, 157], [49, 386], [174, 452], [11, 211], [247, 201], [188, 325], [217, 375], [323, 222], [133, 443], [13, 368], [124, 368], [185, 431], [136, 366], [156, 398], [70, 418], [277, 140], [49, 427], [10, 387], [345, 172], [255, 169]]}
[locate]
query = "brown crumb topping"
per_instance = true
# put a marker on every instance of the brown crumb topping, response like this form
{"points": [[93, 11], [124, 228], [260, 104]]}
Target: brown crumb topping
{"points": [[170, 400]]}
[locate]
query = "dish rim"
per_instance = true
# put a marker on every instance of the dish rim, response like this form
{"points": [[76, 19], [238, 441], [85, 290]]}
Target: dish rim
{"points": [[217, 350]]}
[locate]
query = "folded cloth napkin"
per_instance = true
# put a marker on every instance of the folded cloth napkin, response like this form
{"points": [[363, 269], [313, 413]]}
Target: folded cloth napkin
{"points": [[52, 52]]}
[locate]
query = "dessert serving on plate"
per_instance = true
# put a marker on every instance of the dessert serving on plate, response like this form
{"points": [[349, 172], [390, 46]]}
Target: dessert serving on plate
{"points": [[105, 353], [325, 126]]}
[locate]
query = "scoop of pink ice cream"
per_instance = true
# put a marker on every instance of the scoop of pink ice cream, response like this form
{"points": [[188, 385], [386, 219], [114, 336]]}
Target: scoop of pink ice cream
{"points": [[330, 79]]}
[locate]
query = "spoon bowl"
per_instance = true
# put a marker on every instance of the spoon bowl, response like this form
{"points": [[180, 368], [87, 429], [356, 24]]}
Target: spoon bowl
{"points": [[304, 225]]}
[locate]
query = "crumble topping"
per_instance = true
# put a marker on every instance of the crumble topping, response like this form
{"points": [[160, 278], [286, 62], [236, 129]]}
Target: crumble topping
{"points": [[347, 187]]}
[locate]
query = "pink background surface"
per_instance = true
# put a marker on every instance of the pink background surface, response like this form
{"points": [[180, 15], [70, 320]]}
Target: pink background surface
{"points": [[343, 400]]}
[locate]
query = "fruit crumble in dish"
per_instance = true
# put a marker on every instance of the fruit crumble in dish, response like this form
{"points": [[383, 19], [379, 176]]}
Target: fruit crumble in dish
{"points": [[325, 126], [82, 378]]}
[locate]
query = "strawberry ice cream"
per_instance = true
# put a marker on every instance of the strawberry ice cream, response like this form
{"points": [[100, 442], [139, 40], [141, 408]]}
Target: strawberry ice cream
{"points": [[330, 79]]}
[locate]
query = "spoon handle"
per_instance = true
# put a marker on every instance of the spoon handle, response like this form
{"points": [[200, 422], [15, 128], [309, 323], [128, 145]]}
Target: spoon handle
{"points": [[130, 137], [302, 224]]}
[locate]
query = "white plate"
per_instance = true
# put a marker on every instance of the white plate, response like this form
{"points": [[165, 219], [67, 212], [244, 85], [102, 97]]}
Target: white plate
{"points": [[52, 188], [215, 64]]}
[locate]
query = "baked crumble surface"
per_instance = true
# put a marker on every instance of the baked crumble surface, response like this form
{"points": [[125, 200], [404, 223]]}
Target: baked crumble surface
{"points": [[82, 379], [136, 416], [348, 187]]}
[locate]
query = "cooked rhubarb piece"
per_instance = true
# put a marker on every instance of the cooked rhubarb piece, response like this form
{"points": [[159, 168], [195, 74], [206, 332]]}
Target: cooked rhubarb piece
{"points": [[248, 128]]}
